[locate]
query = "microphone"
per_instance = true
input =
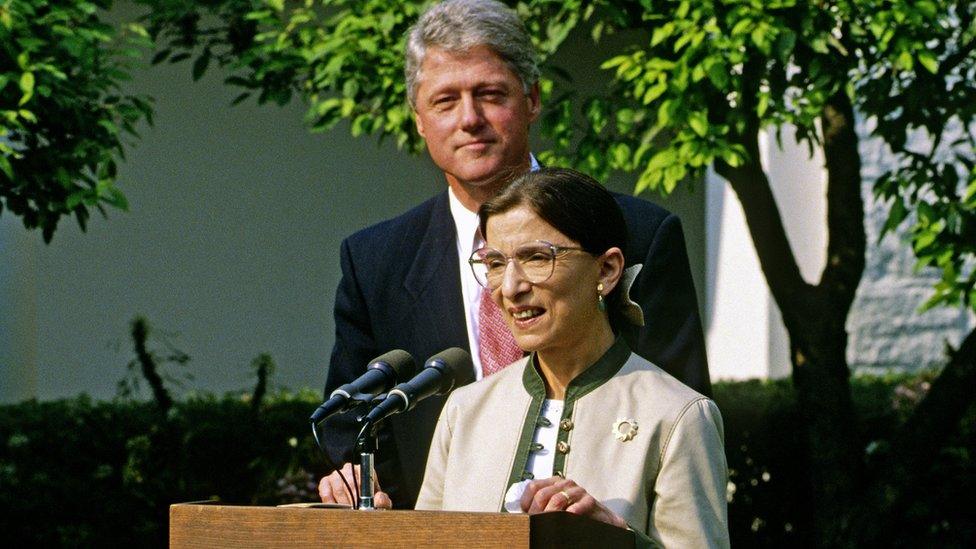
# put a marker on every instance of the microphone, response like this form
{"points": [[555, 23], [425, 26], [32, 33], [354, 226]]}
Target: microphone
{"points": [[381, 374], [442, 372]]}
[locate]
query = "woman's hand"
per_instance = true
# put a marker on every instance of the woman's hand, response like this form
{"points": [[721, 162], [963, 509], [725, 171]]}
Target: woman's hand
{"points": [[559, 494]]}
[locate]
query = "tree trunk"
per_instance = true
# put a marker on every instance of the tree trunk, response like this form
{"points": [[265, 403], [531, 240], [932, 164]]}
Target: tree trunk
{"points": [[815, 316], [820, 379]]}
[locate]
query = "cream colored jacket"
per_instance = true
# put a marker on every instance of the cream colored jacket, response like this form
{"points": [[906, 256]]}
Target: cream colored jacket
{"points": [[668, 481]]}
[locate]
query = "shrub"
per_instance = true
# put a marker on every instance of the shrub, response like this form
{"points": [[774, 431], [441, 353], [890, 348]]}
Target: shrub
{"points": [[77, 472]]}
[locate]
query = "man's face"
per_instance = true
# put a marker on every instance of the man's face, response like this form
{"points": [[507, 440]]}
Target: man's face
{"points": [[475, 116]]}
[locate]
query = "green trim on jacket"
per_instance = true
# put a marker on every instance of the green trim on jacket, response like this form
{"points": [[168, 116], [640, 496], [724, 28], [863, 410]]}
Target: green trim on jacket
{"points": [[596, 375]]}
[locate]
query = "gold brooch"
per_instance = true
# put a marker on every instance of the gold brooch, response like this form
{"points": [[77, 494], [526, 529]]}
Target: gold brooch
{"points": [[624, 429]]}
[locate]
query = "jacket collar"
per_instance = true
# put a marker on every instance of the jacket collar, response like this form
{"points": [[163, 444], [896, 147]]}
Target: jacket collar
{"points": [[591, 378]]}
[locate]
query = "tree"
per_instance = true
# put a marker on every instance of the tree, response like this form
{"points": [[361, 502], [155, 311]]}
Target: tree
{"points": [[713, 75], [62, 112]]}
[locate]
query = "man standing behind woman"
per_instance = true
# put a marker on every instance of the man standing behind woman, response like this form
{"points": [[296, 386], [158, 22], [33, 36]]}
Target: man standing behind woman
{"points": [[472, 80]]}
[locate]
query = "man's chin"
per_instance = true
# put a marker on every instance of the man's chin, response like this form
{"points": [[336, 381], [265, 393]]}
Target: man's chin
{"points": [[492, 174]]}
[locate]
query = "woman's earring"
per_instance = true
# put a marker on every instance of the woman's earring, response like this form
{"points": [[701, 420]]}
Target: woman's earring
{"points": [[600, 304]]}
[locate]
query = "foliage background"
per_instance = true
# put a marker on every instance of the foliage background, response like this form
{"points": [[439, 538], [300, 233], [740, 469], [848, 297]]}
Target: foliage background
{"points": [[63, 114], [78, 472]]}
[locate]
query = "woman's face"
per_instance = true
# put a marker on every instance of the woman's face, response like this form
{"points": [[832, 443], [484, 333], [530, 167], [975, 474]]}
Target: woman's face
{"points": [[556, 314]]}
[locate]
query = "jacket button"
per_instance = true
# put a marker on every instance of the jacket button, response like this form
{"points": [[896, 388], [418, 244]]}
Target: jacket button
{"points": [[566, 424], [562, 447]]}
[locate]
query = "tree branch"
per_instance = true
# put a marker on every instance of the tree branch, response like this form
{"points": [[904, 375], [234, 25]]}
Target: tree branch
{"points": [[845, 207], [762, 215], [147, 362]]}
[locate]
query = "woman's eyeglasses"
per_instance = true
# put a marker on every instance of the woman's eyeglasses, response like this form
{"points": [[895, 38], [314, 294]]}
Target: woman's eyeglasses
{"points": [[536, 261]]}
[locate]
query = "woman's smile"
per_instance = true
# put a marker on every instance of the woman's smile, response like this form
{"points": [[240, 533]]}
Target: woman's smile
{"points": [[525, 316]]}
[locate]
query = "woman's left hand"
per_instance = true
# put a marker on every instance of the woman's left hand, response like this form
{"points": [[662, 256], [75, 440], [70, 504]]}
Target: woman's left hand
{"points": [[559, 494]]}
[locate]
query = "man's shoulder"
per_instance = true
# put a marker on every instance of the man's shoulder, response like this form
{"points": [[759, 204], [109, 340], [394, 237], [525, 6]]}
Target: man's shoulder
{"points": [[638, 209], [410, 224], [647, 223]]}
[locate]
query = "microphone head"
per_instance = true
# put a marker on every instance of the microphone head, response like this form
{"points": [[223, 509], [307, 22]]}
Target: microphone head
{"points": [[456, 363], [397, 363]]}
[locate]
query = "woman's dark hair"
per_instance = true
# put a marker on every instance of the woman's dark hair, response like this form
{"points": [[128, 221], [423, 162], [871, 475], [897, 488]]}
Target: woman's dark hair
{"points": [[574, 204]]}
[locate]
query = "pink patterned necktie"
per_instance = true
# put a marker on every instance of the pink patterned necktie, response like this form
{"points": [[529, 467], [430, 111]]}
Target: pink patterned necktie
{"points": [[497, 347]]}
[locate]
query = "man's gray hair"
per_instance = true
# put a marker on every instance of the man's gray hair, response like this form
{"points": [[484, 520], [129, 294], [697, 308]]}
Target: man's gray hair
{"points": [[459, 25]]}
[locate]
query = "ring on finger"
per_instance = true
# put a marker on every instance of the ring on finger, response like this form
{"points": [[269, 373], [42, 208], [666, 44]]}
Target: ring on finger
{"points": [[569, 500]]}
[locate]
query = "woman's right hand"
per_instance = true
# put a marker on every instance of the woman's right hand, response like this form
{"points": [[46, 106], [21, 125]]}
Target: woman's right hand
{"points": [[559, 494]]}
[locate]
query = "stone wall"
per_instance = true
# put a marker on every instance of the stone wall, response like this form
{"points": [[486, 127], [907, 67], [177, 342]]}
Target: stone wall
{"points": [[886, 330]]}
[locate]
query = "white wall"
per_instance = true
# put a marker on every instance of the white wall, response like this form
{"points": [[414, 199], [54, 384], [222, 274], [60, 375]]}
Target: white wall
{"points": [[230, 245], [744, 327]]}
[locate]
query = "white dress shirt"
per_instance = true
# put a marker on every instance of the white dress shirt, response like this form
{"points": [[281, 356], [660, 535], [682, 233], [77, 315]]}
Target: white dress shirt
{"points": [[466, 225]]}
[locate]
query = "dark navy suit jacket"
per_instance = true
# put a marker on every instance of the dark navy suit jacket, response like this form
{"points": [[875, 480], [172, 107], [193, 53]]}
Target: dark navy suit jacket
{"points": [[401, 289]]}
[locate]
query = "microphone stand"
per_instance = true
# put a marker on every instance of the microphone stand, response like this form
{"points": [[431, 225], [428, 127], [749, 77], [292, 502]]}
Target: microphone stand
{"points": [[366, 448]]}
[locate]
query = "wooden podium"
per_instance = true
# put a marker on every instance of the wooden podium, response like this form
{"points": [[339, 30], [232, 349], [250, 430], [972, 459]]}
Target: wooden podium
{"points": [[214, 526]]}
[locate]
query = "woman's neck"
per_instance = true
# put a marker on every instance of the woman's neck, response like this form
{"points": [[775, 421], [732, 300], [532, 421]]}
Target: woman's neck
{"points": [[559, 367]]}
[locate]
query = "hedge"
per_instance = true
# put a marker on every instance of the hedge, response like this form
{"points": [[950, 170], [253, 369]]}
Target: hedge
{"points": [[78, 472]]}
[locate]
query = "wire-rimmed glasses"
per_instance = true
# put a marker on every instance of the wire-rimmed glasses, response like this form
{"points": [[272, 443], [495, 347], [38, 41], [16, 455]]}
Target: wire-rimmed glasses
{"points": [[535, 260]]}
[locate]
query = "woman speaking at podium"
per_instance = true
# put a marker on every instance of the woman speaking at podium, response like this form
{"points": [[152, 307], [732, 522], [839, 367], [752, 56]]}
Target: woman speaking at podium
{"points": [[581, 424]]}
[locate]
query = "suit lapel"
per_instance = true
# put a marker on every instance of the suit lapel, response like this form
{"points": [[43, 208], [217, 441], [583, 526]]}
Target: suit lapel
{"points": [[432, 293], [434, 283]]}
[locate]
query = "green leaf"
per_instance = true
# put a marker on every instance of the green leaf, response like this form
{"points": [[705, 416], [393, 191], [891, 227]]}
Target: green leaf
{"points": [[615, 61], [26, 87], [904, 61], [201, 64], [650, 178], [350, 88], [664, 113], [6, 168], [762, 105], [928, 60], [661, 159], [970, 193], [75, 198], [655, 91], [662, 33], [718, 75], [732, 158], [924, 239], [621, 155], [895, 217], [160, 56], [928, 9], [833, 41], [760, 37], [672, 176], [698, 121], [117, 199], [742, 27]]}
